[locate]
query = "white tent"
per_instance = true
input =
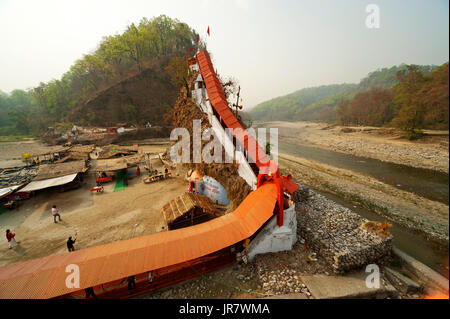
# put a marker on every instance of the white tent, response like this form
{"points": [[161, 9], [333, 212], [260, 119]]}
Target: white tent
{"points": [[33, 186]]}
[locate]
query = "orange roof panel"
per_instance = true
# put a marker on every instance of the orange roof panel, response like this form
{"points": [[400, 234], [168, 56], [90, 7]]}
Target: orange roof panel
{"points": [[45, 277]]}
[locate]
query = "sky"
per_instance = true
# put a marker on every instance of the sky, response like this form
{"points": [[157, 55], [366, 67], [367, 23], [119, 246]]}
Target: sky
{"points": [[271, 47]]}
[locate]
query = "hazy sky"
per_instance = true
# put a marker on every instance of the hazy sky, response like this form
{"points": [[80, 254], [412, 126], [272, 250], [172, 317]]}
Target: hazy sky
{"points": [[271, 47]]}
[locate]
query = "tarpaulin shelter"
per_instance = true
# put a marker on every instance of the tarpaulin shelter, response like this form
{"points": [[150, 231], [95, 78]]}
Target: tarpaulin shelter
{"points": [[46, 183], [8, 190], [47, 171]]}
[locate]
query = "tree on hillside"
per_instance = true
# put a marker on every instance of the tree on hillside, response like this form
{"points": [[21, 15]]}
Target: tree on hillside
{"points": [[423, 100], [415, 102], [410, 113], [20, 108], [132, 114], [179, 73], [410, 120], [342, 113], [409, 83], [111, 49], [373, 107], [133, 44], [434, 98]]}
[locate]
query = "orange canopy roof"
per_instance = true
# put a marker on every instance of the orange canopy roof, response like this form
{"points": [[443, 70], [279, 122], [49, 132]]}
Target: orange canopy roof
{"points": [[219, 103], [45, 277]]}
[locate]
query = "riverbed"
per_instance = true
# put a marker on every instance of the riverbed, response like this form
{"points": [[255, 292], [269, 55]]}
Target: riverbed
{"points": [[433, 185], [419, 180], [384, 144]]}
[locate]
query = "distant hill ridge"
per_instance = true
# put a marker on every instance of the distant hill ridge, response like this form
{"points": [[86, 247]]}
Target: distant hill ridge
{"points": [[319, 103]]}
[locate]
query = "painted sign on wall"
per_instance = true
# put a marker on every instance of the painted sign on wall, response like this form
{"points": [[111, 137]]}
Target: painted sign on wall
{"points": [[214, 191]]}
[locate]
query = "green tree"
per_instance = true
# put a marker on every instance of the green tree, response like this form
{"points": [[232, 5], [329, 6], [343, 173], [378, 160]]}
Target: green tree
{"points": [[179, 73], [410, 120], [132, 113]]}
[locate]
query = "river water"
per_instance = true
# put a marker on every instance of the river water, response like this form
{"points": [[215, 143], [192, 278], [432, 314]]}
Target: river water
{"points": [[426, 183], [423, 182]]}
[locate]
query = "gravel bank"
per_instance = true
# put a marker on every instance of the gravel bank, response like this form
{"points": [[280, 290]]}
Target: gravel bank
{"points": [[388, 145], [407, 209]]}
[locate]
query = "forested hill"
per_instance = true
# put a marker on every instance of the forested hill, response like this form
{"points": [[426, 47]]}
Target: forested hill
{"points": [[125, 79], [319, 103], [417, 101], [138, 99], [291, 106]]}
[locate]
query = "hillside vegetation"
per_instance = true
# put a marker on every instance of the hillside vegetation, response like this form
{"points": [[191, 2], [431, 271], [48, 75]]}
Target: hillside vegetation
{"points": [[124, 80], [320, 103], [297, 104], [415, 102]]}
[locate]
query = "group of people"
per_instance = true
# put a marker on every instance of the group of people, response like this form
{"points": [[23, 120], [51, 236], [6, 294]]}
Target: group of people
{"points": [[70, 240], [131, 281], [10, 236], [155, 172]]}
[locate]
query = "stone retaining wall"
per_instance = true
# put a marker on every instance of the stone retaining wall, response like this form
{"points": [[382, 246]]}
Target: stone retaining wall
{"points": [[335, 233]]}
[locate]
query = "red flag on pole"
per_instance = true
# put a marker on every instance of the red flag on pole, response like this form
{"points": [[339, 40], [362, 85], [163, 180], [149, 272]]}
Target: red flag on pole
{"points": [[208, 31], [190, 49], [198, 38]]}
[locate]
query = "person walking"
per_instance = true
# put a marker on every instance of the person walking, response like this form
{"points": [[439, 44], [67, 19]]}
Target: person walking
{"points": [[11, 238], [55, 213], [150, 277], [90, 292], [70, 243], [131, 283]]}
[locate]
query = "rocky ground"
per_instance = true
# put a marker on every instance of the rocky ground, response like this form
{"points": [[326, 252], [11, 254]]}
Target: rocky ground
{"points": [[389, 145], [267, 275]]}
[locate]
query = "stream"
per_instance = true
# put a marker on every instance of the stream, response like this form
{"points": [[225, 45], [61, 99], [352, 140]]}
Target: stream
{"points": [[423, 182], [426, 183]]}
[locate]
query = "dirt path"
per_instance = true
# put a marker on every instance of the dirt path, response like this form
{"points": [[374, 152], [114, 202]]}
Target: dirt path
{"points": [[387, 145]]}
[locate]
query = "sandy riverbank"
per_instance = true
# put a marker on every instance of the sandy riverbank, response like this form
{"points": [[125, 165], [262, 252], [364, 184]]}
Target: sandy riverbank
{"points": [[405, 208], [430, 152], [11, 152]]}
